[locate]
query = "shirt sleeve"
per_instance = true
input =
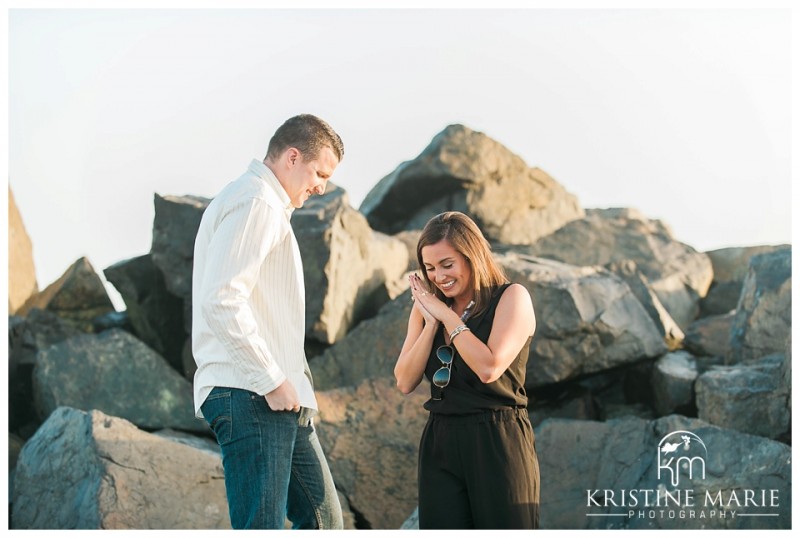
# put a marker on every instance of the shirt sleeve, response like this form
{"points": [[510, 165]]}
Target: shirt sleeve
{"points": [[240, 243]]}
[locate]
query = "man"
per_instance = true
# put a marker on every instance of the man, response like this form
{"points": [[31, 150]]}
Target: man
{"points": [[253, 385]]}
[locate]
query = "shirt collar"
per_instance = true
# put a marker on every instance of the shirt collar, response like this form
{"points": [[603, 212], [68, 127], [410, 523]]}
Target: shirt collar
{"points": [[262, 171]]}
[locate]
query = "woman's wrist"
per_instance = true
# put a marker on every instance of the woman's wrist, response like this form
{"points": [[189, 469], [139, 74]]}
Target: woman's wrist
{"points": [[431, 326], [451, 321], [458, 330]]}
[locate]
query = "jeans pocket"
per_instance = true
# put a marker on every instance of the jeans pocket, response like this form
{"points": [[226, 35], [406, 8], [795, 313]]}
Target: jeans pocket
{"points": [[217, 411]]}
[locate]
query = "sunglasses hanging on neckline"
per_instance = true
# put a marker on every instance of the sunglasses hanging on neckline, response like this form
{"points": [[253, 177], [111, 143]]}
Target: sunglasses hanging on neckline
{"points": [[441, 377]]}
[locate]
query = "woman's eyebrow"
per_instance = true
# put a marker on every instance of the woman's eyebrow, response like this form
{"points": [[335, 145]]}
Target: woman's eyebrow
{"points": [[449, 258]]}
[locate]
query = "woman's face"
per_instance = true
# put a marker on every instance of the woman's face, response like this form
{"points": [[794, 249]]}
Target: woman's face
{"points": [[448, 269]]}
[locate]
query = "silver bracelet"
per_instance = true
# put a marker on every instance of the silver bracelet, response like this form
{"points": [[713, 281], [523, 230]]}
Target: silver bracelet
{"points": [[458, 330]]}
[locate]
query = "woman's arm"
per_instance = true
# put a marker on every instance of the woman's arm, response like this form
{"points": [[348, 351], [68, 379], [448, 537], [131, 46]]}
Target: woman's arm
{"points": [[514, 322], [422, 327], [413, 357]]}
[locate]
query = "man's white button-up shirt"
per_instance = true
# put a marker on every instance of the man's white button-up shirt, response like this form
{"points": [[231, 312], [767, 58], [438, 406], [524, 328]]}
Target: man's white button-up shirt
{"points": [[248, 296]]}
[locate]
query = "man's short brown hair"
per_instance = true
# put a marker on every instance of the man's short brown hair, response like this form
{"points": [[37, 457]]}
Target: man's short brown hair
{"points": [[309, 134]]}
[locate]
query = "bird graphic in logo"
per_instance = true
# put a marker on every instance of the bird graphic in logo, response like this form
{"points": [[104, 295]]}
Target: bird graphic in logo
{"points": [[672, 447], [675, 455]]}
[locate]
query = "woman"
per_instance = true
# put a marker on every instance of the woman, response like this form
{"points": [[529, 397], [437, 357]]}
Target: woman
{"points": [[469, 333]]}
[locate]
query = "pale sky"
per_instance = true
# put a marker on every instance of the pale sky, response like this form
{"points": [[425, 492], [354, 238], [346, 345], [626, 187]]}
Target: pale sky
{"points": [[682, 114]]}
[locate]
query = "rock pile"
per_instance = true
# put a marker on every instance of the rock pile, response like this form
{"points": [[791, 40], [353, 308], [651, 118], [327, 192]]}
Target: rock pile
{"points": [[639, 336], [21, 274]]}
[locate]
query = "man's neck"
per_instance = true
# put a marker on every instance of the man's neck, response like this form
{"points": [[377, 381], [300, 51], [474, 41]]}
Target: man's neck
{"points": [[273, 167]]}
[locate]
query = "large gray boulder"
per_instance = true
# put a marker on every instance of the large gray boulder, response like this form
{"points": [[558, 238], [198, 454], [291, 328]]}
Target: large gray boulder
{"points": [[608, 475], [349, 269], [117, 374], [206, 444], [93, 471], [15, 444], [412, 522], [614, 393], [753, 397], [569, 401], [368, 351], [673, 380], [78, 296], [410, 238], [370, 435], [467, 171], [26, 337], [763, 318], [588, 320], [786, 370], [211, 446], [155, 313], [677, 273], [187, 359], [21, 271], [640, 286], [730, 269], [175, 225], [710, 336], [38, 330]]}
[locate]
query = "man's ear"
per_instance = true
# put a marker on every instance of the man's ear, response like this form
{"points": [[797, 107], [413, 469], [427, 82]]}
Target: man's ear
{"points": [[292, 156]]}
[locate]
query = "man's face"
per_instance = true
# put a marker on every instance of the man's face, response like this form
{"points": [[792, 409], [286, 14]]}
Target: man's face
{"points": [[307, 178]]}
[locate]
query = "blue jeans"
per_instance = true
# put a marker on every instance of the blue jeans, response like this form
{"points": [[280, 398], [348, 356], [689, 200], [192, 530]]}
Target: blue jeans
{"points": [[274, 466]]}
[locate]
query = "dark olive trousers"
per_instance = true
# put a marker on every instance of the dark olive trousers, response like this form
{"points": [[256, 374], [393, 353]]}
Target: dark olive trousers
{"points": [[478, 471]]}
